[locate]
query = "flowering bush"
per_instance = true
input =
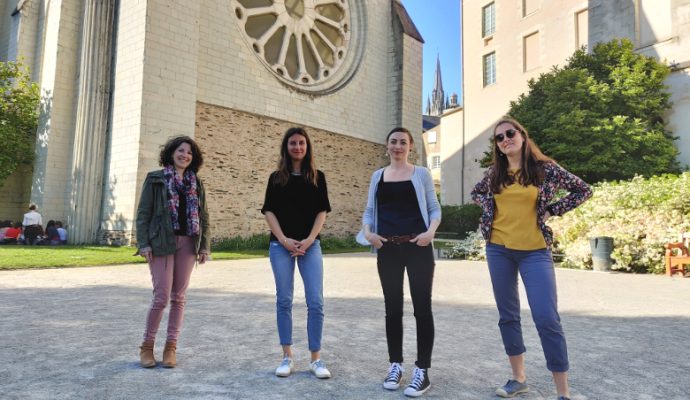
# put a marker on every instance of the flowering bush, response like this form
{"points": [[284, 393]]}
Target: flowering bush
{"points": [[641, 215], [471, 247]]}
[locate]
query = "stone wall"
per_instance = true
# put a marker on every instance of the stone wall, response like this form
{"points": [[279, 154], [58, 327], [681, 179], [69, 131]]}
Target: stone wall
{"points": [[242, 149], [15, 194]]}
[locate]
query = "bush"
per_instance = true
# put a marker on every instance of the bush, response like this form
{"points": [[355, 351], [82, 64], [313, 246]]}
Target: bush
{"points": [[254, 242], [460, 220], [641, 215], [261, 242], [473, 247]]}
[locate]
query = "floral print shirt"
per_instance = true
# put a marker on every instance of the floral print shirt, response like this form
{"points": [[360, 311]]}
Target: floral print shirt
{"points": [[555, 178]]}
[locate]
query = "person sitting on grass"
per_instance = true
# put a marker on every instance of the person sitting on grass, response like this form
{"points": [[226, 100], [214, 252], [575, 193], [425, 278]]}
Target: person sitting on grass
{"points": [[62, 232], [13, 233]]}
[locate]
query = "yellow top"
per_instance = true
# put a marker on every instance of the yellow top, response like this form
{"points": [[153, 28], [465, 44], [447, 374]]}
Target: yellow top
{"points": [[515, 218]]}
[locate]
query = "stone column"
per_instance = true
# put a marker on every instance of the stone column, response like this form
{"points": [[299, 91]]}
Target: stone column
{"points": [[93, 97]]}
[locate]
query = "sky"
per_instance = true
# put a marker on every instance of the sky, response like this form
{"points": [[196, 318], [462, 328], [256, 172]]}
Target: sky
{"points": [[439, 23]]}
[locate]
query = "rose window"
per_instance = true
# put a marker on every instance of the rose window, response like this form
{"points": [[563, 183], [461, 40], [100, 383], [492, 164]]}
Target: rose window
{"points": [[305, 43]]}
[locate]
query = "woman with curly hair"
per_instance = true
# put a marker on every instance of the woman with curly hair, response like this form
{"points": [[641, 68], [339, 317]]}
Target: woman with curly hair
{"points": [[172, 235]]}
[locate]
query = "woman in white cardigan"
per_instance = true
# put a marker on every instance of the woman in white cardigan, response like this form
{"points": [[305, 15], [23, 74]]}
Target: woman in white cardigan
{"points": [[400, 222]]}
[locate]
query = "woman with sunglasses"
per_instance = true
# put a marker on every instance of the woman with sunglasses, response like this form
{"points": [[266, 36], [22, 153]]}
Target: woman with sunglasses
{"points": [[517, 198]]}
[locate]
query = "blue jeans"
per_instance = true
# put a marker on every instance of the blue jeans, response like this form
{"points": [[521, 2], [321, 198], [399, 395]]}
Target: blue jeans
{"points": [[311, 269], [537, 273]]}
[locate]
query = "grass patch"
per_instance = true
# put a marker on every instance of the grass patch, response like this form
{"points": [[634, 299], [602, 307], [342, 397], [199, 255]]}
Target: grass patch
{"points": [[21, 257], [28, 257]]}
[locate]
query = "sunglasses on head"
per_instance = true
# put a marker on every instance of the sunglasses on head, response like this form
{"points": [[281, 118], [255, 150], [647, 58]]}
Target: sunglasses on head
{"points": [[510, 133]]}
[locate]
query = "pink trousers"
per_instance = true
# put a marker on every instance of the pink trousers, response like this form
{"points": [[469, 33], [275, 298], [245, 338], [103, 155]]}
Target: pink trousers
{"points": [[170, 275]]}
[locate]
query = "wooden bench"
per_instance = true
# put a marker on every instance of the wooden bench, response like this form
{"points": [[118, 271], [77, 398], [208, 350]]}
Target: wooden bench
{"points": [[677, 255]]}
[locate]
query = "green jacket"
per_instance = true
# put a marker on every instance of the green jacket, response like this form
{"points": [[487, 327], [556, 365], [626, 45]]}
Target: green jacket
{"points": [[154, 225]]}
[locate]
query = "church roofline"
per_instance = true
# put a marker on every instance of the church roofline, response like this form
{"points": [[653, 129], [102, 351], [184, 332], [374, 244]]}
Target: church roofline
{"points": [[408, 25]]}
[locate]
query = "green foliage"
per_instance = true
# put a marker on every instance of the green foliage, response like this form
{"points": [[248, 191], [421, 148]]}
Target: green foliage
{"points": [[329, 243], [254, 242], [261, 242], [601, 115], [19, 99], [641, 215], [460, 220]]}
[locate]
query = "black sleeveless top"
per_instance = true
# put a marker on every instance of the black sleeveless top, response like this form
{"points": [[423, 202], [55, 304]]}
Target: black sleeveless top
{"points": [[398, 209]]}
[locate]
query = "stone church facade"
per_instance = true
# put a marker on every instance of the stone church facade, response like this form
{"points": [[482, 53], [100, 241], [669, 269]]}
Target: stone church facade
{"points": [[119, 77]]}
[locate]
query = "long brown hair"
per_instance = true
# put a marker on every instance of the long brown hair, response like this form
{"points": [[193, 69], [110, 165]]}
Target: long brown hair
{"points": [[532, 164], [308, 168]]}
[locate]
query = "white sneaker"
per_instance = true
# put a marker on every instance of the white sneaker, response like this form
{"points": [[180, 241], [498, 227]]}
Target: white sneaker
{"points": [[318, 368], [285, 368], [392, 381]]}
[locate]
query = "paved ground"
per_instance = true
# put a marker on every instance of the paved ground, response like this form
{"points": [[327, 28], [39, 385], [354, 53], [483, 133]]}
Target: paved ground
{"points": [[73, 334]]}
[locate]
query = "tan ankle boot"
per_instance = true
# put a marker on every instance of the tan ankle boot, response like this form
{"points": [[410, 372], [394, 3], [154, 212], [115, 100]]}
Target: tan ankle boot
{"points": [[146, 355], [169, 358]]}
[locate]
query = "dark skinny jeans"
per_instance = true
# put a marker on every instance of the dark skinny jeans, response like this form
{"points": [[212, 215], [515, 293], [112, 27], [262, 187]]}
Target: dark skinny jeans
{"points": [[392, 261]]}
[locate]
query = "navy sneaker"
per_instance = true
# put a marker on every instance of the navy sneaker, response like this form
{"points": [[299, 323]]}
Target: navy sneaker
{"points": [[512, 388], [392, 381], [563, 398], [419, 384]]}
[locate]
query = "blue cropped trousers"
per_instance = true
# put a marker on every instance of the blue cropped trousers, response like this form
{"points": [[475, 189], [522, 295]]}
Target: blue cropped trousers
{"points": [[537, 273]]}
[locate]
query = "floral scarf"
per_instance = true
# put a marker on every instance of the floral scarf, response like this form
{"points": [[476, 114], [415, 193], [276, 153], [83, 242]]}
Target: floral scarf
{"points": [[188, 185]]}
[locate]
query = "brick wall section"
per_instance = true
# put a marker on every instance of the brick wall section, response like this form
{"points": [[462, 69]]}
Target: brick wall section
{"points": [[395, 72], [56, 124], [237, 167], [29, 34], [6, 8], [411, 96], [122, 162], [15, 194]]}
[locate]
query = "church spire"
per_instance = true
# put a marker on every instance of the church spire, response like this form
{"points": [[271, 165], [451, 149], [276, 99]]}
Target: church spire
{"points": [[438, 84], [438, 98]]}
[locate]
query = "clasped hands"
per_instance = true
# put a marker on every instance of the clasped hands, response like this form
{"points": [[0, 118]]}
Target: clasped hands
{"points": [[297, 247]]}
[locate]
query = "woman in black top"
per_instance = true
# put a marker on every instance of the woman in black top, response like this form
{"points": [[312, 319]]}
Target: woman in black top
{"points": [[295, 209]]}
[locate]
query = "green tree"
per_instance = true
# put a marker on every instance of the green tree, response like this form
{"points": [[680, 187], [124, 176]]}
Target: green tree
{"points": [[19, 99], [601, 115]]}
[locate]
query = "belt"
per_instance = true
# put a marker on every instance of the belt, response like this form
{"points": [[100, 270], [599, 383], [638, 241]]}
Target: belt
{"points": [[399, 239]]}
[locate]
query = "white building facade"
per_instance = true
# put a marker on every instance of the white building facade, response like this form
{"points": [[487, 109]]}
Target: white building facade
{"points": [[505, 43]]}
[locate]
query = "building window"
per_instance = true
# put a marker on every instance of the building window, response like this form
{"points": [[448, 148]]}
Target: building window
{"points": [[529, 6], [489, 20], [490, 69], [431, 137], [582, 29], [435, 162], [530, 51]]}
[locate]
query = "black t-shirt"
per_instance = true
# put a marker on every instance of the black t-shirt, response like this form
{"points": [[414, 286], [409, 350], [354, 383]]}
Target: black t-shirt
{"points": [[296, 204]]}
